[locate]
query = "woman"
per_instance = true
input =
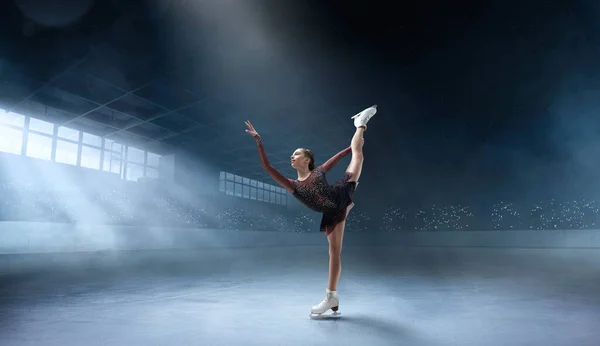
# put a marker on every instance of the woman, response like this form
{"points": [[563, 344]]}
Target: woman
{"points": [[334, 201]]}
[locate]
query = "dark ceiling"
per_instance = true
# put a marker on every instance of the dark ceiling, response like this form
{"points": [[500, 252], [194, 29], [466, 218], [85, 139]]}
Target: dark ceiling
{"points": [[160, 80], [464, 88]]}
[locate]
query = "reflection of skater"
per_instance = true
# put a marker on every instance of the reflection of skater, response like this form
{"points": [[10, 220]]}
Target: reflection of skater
{"points": [[334, 201]]}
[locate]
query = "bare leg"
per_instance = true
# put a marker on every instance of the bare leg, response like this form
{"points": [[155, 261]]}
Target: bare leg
{"points": [[335, 255], [356, 163], [337, 235]]}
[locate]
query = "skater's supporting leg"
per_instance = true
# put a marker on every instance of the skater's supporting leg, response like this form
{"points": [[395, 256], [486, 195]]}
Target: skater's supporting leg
{"points": [[356, 163], [335, 255]]}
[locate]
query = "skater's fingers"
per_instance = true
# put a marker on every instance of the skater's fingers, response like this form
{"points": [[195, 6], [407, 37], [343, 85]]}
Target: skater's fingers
{"points": [[252, 132]]}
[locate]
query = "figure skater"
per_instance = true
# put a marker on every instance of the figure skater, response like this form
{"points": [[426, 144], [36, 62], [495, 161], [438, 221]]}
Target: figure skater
{"points": [[334, 201]]}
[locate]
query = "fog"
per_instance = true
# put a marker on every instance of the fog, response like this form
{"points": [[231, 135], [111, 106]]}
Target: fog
{"points": [[134, 208]]}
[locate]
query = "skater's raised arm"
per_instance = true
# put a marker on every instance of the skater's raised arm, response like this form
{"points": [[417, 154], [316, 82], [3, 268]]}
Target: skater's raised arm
{"points": [[282, 180], [285, 182], [327, 166]]}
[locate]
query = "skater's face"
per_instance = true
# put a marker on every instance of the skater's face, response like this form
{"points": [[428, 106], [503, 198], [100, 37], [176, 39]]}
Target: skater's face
{"points": [[299, 159]]}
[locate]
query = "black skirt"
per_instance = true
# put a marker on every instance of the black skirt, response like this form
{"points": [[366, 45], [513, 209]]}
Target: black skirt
{"points": [[344, 197]]}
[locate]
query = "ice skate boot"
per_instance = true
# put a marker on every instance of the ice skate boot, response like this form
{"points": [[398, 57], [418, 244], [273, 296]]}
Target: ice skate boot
{"points": [[331, 302], [362, 118]]}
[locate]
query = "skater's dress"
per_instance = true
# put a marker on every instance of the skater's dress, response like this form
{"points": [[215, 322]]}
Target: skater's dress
{"points": [[334, 201]]}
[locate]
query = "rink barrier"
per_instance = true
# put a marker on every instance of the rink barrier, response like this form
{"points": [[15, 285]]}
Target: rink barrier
{"points": [[38, 237]]}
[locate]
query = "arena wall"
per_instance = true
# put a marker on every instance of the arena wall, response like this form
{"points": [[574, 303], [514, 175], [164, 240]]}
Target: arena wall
{"points": [[32, 237]]}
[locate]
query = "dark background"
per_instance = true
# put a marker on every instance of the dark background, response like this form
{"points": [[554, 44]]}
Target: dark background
{"points": [[478, 101]]}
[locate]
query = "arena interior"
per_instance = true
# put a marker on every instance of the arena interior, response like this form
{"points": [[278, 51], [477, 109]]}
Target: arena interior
{"points": [[134, 209]]}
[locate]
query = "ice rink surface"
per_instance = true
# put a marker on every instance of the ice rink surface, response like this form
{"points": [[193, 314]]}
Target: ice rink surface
{"points": [[262, 296]]}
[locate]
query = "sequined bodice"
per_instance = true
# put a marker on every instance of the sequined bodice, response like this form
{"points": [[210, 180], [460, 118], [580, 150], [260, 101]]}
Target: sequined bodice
{"points": [[315, 192]]}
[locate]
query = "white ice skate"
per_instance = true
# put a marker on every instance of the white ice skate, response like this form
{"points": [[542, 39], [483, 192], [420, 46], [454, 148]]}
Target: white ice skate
{"points": [[362, 118], [331, 302]]}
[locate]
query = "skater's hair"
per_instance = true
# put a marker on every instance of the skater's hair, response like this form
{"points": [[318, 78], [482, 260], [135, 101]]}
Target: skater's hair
{"points": [[311, 156]]}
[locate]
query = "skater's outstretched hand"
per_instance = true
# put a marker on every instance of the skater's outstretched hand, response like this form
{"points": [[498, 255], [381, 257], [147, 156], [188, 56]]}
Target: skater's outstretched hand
{"points": [[251, 129]]}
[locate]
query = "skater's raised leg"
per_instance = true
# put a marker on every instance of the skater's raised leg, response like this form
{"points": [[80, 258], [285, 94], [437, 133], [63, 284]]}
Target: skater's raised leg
{"points": [[356, 163], [336, 237]]}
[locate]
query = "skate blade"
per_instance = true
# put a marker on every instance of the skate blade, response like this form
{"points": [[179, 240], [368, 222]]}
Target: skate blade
{"points": [[325, 316]]}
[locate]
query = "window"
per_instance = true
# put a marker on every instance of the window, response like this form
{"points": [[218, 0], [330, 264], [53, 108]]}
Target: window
{"points": [[92, 140], [111, 145], [90, 157], [134, 171], [68, 133], [10, 118], [135, 155], [153, 159], [66, 152], [152, 172], [41, 126], [11, 140], [235, 185], [93, 151], [39, 146], [259, 194], [112, 162]]}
